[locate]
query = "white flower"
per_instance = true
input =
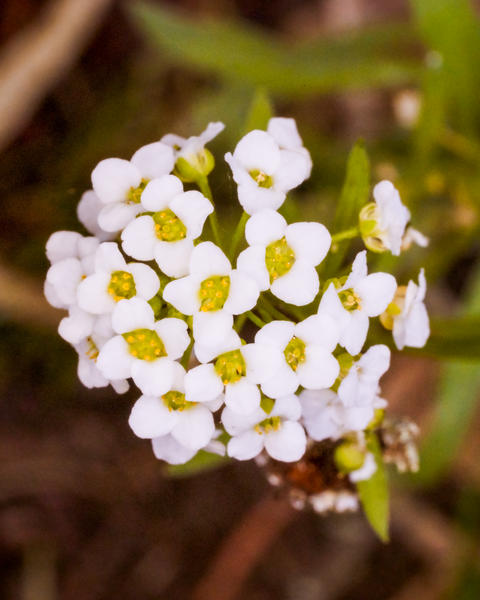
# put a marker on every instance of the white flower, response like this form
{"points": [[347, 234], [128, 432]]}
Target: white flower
{"points": [[237, 368], [283, 257], [192, 159], [113, 280], [362, 296], [263, 171], [72, 257], [88, 372], [88, 210], [145, 349], [324, 415], [212, 293], [360, 386], [365, 472], [119, 183], [278, 432], [167, 448], [383, 222], [303, 352], [190, 423], [167, 236], [411, 327]]}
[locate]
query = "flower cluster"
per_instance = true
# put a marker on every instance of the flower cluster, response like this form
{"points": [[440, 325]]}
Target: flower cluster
{"points": [[150, 298]]}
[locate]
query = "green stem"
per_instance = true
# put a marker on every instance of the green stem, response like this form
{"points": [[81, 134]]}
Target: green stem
{"points": [[276, 314], [348, 234], [207, 192], [186, 356], [254, 319], [237, 236], [240, 322]]}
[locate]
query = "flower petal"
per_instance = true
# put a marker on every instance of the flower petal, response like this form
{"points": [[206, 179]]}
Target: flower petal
{"points": [[154, 160], [146, 280], [158, 193], [359, 271], [288, 443], [93, 296], [184, 295], [207, 260], [65, 277], [242, 397], [154, 378], [320, 330], [114, 360], [151, 418], [353, 337], [113, 178], [265, 227], [242, 295], [284, 383], [211, 328], [77, 326], [108, 258], [118, 215], [246, 445], [139, 238], [202, 383], [376, 292], [62, 245], [309, 241], [195, 427], [262, 361], [276, 333], [320, 369], [258, 151], [252, 262], [257, 198], [192, 208], [299, 285], [168, 449], [173, 257], [174, 335], [133, 314], [231, 342]]}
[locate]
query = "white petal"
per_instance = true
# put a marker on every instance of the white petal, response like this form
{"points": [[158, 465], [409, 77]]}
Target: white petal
{"points": [[320, 369], [212, 130], [348, 388], [288, 407], [246, 445], [242, 397], [103, 326], [195, 427], [417, 327], [235, 424], [299, 285], [265, 227], [332, 305], [115, 360], [366, 470], [359, 271], [113, 178], [146, 280], [77, 326], [262, 361], [168, 449], [353, 337], [154, 378], [52, 297], [121, 386], [215, 404], [93, 296], [133, 314], [276, 333], [309, 241], [242, 295], [88, 210], [192, 208], [294, 168], [118, 215], [202, 383], [240, 174], [65, 276], [89, 375], [108, 258], [284, 383], [151, 418], [154, 160], [258, 151], [207, 260], [174, 335], [285, 133], [139, 238], [257, 198], [173, 257], [358, 417], [252, 262], [184, 295], [158, 193], [231, 342], [288, 443], [179, 373], [320, 330], [62, 245], [211, 328], [376, 292], [374, 363]]}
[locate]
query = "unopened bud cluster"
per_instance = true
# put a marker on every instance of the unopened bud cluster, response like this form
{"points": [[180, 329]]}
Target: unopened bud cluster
{"points": [[146, 296]]}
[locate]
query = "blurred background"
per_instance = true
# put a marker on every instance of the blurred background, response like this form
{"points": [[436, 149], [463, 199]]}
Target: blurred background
{"points": [[86, 511]]}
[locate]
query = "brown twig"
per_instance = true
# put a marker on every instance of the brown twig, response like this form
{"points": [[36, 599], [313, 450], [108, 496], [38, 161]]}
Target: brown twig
{"points": [[39, 56], [243, 548]]}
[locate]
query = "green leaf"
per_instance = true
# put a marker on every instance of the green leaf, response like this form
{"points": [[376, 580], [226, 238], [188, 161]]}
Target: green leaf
{"points": [[374, 492], [261, 111], [239, 51], [353, 197], [457, 402], [201, 462]]}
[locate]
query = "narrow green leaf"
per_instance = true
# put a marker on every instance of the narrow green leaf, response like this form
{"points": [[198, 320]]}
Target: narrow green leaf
{"points": [[457, 402], [201, 462], [261, 111], [374, 492], [238, 51]]}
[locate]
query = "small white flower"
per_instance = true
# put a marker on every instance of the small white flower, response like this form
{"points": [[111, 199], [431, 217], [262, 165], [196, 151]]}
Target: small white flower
{"points": [[119, 183], [190, 423], [113, 280], [264, 171], [198, 160], [411, 326], [303, 353], [360, 386], [167, 235], [383, 222], [237, 368], [88, 210], [144, 349], [212, 293], [366, 471], [278, 432], [324, 415], [362, 296], [283, 257]]}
